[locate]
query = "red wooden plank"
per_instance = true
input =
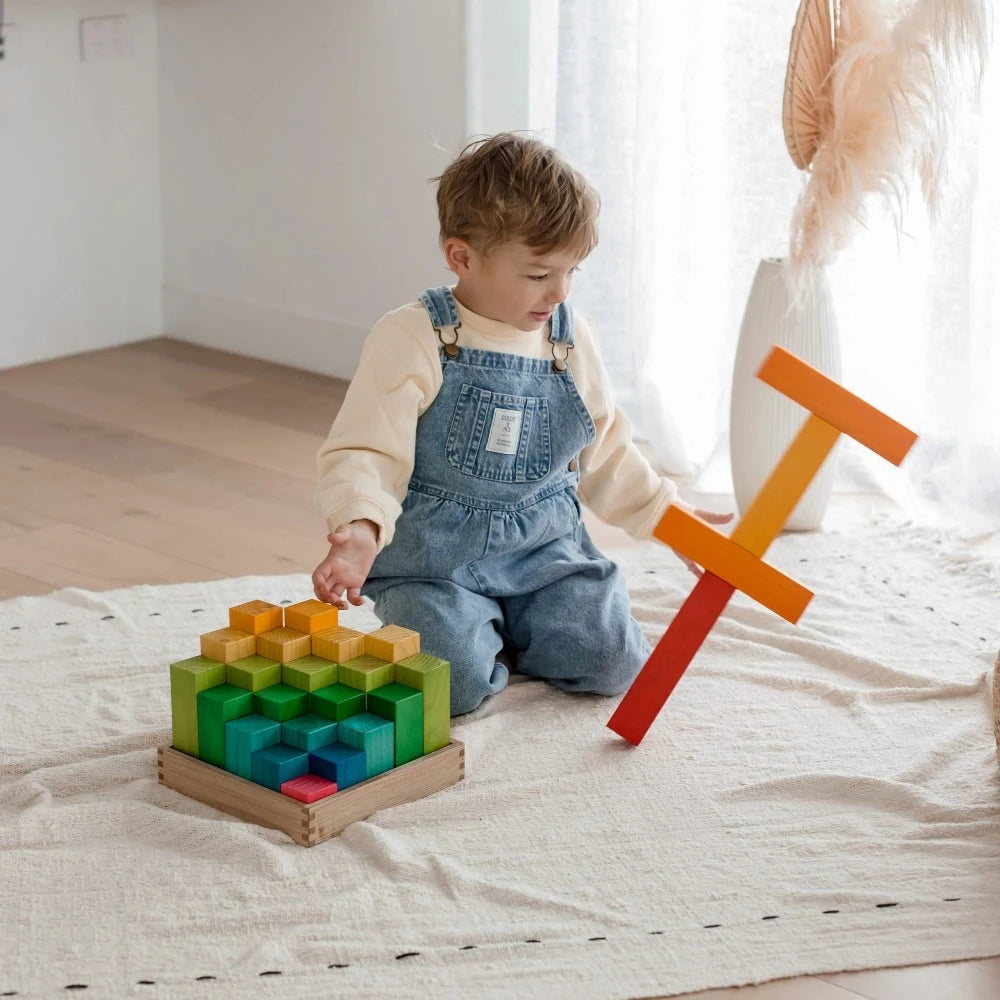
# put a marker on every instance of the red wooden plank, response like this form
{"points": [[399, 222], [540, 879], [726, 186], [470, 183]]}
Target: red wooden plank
{"points": [[670, 658]]}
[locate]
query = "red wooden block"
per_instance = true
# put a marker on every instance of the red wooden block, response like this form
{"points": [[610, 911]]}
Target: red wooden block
{"points": [[670, 658], [308, 788]]}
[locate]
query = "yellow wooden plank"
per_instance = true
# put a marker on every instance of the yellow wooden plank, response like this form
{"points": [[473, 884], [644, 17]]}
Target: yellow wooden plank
{"points": [[766, 516]]}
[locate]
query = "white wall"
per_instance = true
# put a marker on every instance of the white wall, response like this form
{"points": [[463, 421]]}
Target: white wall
{"points": [[80, 244], [297, 142]]}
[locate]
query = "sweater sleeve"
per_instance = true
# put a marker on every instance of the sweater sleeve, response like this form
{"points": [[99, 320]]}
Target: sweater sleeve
{"points": [[366, 462], [616, 481]]}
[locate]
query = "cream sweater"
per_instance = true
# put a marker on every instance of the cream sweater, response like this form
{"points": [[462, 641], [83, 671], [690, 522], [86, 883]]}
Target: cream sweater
{"points": [[366, 461]]}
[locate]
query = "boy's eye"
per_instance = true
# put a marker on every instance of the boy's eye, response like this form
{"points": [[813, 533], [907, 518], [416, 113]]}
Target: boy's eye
{"points": [[538, 277]]}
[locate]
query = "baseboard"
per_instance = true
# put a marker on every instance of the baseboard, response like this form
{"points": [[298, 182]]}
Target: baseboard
{"points": [[270, 333]]}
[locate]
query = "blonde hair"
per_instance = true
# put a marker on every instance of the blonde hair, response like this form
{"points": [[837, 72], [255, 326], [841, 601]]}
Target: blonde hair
{"points": [[508, 187]]}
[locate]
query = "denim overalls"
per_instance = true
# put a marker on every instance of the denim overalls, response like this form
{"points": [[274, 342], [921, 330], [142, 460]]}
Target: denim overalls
{"points": [[490, 551]]}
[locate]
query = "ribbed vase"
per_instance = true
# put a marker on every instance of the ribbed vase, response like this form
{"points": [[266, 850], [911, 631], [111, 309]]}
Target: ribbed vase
{"points": [[763, 422]]}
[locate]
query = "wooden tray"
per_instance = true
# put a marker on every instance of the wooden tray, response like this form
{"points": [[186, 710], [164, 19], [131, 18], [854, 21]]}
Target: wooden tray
{"points": [[312, 823]]}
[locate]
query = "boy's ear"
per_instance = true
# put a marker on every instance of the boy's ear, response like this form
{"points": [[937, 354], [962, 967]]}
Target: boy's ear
{"points": [[458, 255]]}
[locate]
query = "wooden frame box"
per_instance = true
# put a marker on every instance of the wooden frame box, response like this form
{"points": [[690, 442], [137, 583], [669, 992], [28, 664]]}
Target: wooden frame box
{"points": [[312, 823]]}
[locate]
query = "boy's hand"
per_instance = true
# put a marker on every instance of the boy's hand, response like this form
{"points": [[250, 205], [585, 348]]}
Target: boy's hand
{"points": [[338, 578], [712, 518]]}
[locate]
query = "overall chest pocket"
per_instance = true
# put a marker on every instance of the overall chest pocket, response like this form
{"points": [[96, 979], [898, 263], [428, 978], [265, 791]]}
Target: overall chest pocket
{"points": [[499, 436]]}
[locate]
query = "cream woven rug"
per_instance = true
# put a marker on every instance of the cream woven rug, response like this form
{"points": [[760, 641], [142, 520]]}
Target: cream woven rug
{"points": [[814, 798]]}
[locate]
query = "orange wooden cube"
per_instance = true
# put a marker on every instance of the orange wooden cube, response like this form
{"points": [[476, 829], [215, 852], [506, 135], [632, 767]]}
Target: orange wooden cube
{"points": [[311, 616], [338, 644], [256, 617], [392, 643], [228, 644], [283, 644]]}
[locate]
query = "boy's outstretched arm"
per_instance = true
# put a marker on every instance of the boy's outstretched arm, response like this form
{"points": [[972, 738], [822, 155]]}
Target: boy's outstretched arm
{"points": [[338, 578]]}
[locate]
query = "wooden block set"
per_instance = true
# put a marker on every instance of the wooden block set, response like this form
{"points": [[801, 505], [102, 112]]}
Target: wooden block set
{"points": [[290, 720], [734, 561]]}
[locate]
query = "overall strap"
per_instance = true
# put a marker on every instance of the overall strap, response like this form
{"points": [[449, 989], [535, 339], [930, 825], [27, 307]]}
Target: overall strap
{"points": [[561, 335], [443, 311]]}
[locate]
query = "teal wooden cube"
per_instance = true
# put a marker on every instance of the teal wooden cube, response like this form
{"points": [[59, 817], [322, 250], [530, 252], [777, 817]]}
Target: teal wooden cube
{"points": [[308, 732], [276, 764], [216, 707], [404, 707], [280, 702], [244, 737], [375, 736], [336, 702]]}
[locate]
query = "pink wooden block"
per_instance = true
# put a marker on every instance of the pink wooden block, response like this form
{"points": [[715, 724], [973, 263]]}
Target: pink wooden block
{"points": [[308, 788]]}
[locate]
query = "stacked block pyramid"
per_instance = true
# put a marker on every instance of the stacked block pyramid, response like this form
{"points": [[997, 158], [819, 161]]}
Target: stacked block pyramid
{"points": [[292, 700]]}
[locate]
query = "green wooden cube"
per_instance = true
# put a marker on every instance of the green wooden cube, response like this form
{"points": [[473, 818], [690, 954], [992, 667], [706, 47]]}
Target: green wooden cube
{"points": [[246, 736], [336, 702], [308, 732], [375, 736], [216, 707], [432, 676], [404, 707], [308, 673], [188, 678], [253, 673], [366, 672], [280, 702]]}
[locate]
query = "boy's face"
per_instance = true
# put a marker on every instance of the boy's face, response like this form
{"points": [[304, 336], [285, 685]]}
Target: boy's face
{"points": [[512, 283]]}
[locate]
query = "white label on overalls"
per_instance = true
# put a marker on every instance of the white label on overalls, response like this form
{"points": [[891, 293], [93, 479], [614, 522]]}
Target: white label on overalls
{"points": [[504, 431]]}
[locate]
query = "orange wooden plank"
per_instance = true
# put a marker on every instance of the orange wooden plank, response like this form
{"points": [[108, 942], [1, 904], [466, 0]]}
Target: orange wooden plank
{"points": [[831, 401], [668, 661], [771, 507], [733, 563]]}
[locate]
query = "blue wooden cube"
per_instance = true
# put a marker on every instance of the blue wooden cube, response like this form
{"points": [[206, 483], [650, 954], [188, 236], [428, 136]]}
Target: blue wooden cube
{"points": [[340, 763]]}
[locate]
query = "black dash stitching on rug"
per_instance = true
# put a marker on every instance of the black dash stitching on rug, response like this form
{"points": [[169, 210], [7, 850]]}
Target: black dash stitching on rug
{"points": [[270, 972], [597, 939], [13, 628], [467, 947], [197, 611], [773, 916], [708, 927], [831, 911], [951, 899], [204, 979], [407, 954], [884, 906], [656, 932], [63, 623], [107, 618], [339, 965], [532, 941], [146, 982]]}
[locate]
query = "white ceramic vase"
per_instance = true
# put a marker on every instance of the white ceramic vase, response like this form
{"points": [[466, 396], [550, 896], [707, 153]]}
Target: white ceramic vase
{"points": [[763, 422]]}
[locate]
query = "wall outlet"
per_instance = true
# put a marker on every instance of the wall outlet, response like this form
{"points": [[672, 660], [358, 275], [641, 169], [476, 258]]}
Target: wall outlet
{"points": [[103, 38], [9, 41]]}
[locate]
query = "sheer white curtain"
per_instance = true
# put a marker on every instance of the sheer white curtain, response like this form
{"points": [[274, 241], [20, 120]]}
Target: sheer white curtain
{"points": [[673, 109]]}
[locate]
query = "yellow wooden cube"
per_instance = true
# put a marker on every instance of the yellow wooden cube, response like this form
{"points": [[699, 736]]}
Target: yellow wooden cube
{"points": [[392, 643], [311, 616], [256, 617], [228, 644], [283, 644], [338, 644]]}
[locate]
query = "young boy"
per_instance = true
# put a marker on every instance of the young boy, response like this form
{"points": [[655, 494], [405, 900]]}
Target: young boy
{"points": [[478, 419]]}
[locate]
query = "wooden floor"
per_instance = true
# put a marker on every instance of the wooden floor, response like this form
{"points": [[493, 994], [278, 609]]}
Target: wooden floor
{"points": [[161, 462]]}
